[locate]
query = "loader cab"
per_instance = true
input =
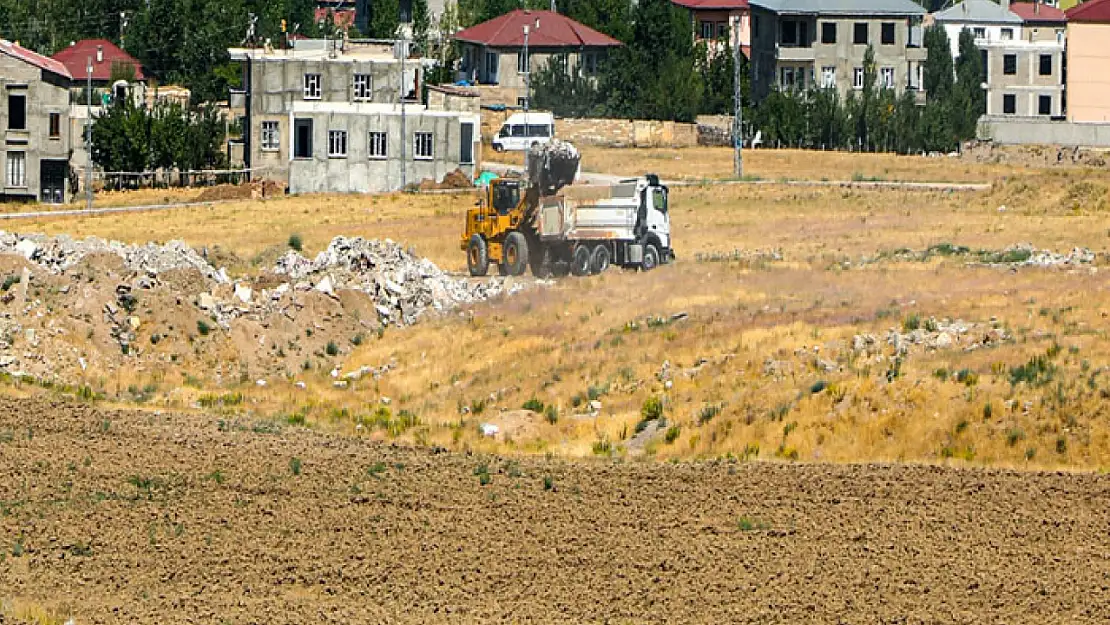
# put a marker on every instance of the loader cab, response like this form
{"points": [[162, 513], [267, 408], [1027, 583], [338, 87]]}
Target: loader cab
{"points": [[504, 195]]}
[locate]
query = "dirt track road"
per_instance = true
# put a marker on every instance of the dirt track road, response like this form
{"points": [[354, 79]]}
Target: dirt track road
{"points": [[131, 517]]}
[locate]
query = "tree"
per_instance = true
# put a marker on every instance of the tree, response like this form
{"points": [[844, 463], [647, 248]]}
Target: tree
{"points": [[938, 63], [567, 94], [421, 26], [385, 19], [717, 73], [969, 100]]}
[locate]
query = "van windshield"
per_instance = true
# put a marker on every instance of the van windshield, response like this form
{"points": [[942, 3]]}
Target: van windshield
{"points": [[504, 131], [537, 130]]}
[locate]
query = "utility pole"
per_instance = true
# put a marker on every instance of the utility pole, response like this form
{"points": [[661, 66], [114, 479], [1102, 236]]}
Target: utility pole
{"points": [[88, 136], [404, 135], [737, 114], [528, 95], [122, 28]]}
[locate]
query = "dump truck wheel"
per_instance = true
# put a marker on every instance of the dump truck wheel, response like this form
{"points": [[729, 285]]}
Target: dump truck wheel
{"points": [[580, 262], [599, 260], [477, 256], [515, 256], [651, 257]]}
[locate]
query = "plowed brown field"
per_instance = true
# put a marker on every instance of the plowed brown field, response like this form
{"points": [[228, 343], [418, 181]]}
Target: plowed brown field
{"points": [[139, 517]]}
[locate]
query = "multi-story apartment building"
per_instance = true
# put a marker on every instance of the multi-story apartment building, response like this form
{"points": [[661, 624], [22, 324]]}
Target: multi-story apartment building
{"points": [[34, 120], [988, 21], [331, 118], [798, 44], [1088, 56]]}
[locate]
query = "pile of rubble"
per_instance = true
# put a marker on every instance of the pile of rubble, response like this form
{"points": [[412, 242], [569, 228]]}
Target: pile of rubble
{"points": [[1025, 255], [57, 254], [741, 256], [401, 284], [933, 335]]}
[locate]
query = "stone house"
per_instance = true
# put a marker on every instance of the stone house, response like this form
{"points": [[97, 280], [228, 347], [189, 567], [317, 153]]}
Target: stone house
{"points": [[1088, 80], [494, 60], [330, 118], [34, 117], [106, 58], [715, 20], [798, 44]]}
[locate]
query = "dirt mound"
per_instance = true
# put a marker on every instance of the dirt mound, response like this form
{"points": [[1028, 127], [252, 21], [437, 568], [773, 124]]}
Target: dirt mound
{"points": [[453, 180], [208, 520], [258, 189]]}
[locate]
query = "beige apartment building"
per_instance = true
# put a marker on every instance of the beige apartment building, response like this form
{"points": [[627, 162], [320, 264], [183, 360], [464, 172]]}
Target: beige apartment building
{"points": [[1088, 35], [799, 44]]}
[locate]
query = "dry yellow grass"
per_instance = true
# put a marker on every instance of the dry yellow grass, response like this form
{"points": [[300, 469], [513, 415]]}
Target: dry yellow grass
{"points": [[556, 344]]}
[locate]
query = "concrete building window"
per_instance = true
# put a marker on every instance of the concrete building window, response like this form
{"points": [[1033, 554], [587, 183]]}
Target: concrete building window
{"points": [[859, 34], [888, 33], [55, 125], [466, 144], [17, 111], [1009, 64], [377, 145], [791, 78], [828, 77], [491, 67], [1007, 34], [857, 78], [312, 86], [337, 144], [1009, 104], [886, 78], [302, 138], [706, 30], [1046, 65], [1044, 105], [980, 33], [364, 87], [828, 32], [16, 169], [271, 139], [422, 146]]}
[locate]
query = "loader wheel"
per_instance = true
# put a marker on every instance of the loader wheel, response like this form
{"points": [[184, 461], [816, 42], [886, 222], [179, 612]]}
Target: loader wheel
{"points": [[514, 259], [580, 262], [477, 256], [599, 260], [651, 257]]}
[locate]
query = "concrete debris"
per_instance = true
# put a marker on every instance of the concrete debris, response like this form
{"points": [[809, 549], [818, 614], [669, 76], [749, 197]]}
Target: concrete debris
{"points": [[243, 293], [402, 285], [56, 254], [934, 335], [741, 256]]}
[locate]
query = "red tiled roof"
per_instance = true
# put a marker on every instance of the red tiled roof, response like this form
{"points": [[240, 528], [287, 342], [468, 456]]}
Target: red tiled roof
{"points": [[712, 4], [343, 18], [1029, 12], [1090, 11], [77, 54], [34, 58], [555, 31]]}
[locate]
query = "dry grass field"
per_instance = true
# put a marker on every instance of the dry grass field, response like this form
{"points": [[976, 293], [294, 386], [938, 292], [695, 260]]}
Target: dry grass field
{"points": [[772, 287]]}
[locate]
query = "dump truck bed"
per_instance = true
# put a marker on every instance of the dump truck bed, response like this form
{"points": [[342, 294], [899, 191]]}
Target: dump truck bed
{"points": [[561, 218]]}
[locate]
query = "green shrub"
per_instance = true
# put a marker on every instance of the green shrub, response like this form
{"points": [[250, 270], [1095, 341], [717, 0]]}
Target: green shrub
{"points": [[551, 413], [602, 447], [652, 408], [817, 387], [911, 322], [1061, 445], [295, 242], [1013, 436], [203, 327], [548, 482], [706, 414], [331, 349], [672, 434], [295, 465], [9, 281], [534, 405]]}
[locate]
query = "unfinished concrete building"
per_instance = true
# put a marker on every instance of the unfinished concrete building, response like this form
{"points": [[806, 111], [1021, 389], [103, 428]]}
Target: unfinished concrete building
{"points": [[330, 118], [34, 117]]}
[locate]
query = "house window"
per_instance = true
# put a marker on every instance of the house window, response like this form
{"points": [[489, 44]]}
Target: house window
{"points": [[980, 33], [364, 87], [17, 169], [722, 30], [377, 145], [886, 77], [55, 125], [521, 62], [1046, 65], [312, 86], [828, 77], [828, 32], [422, 146], [786, 78], [1007, 34], [859, 34], [706, 30], [1044, 105], [1009, 104], [337, 144], [522, 102], [491, 67], [271, 140], [589, 63], [857, 78], [788, 35], [1009, 64], [17, 111], [888, 33], [302, 138], [1059, 35], [466, 144]]}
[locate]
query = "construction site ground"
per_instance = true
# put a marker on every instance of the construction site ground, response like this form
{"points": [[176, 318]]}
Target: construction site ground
{"points": [[841, 404]]}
